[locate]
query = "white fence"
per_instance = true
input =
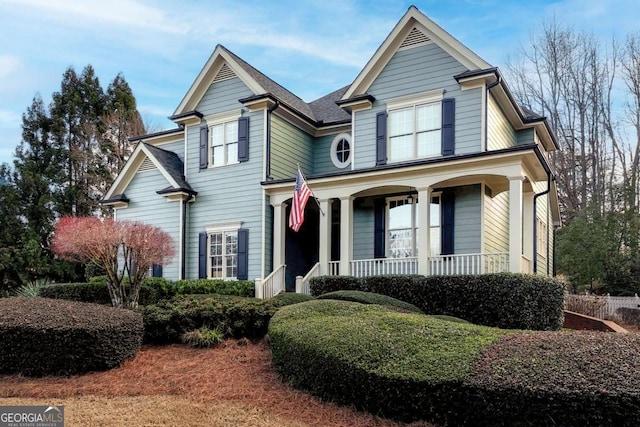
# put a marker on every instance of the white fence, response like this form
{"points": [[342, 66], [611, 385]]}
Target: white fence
{"points": [[600, 306], [379, 266]]}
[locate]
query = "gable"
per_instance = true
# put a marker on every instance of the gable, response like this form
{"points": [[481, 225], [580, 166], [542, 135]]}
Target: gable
{"points": [[413, 29]]}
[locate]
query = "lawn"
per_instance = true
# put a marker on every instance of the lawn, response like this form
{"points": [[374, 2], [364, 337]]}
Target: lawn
{"points": [[231, 385]]}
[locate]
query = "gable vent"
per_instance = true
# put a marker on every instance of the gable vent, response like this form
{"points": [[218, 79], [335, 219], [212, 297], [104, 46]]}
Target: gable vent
{"points": [[415, 37], [224, 73], [147, 165]]}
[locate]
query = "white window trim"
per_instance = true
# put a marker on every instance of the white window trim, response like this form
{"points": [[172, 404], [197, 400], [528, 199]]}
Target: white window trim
{"points": [[217, 229], [411, 100], [218, 119], [333, 150]]}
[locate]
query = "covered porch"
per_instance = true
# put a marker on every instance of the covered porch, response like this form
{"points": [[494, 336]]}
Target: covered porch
{"points": [[371, 222]]}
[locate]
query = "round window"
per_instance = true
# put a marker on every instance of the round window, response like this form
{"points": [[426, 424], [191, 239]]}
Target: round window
{"points": [[341, 150]]}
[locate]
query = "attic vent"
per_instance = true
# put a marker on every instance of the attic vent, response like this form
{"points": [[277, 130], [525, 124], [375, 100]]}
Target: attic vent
{"points": [[147, 165], [224, 73], [415, 37]]}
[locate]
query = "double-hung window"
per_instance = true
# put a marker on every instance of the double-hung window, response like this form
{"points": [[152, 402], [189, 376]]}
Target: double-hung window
{"points": [[224, 143], [402, 226], [223, 255], [415, 126]]}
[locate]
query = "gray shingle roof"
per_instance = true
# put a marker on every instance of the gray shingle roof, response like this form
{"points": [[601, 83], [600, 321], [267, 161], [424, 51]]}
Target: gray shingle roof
{"points": [[172, 164], [327, 111]]}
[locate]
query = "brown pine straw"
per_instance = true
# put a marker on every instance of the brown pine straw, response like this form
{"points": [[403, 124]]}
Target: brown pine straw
{"points": [[237, 372]]}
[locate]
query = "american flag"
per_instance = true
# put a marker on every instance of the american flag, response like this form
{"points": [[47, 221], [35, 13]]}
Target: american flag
{"points": [[301, 194]]}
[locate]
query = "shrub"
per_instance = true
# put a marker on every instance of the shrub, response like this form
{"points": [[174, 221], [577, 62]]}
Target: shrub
{"points": [[323, 284], [203, 337], [241, 288], [512, 301], [43, 336], [236, 317], [411, 366], [372, 298], [288, 298], [98, 293], [386, 362], [629, 315], [32, 289]]}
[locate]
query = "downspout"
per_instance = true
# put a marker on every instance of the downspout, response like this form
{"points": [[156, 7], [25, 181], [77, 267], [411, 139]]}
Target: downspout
{"points": [[486, 110], [535, 225], [183, 244], [268, 142]]}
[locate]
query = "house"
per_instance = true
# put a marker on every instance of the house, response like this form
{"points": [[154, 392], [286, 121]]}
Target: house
{"points": [[424, 164]]}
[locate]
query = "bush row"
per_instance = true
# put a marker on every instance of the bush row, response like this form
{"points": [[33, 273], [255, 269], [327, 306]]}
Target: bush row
{"points": [[410, 366], [512, 301], [43, 336], [166, 321], [153, 289]]}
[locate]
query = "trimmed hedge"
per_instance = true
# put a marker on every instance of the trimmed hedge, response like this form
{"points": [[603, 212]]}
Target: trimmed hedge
{"points": [[43, 336], [411, 367], [241, 288], [511, 301], [236, 317], [288, 298], [372, 298], [153, 289]]}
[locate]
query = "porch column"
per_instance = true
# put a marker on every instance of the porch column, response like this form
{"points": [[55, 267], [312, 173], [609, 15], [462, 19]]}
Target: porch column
{"points": [[346, 234], [279, 230], [527, 229], [515, 223], [325, 236], [424, 235]]}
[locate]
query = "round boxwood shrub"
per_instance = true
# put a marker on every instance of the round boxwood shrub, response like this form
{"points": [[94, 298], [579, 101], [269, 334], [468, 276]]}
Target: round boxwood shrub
{"points": [[42, 336], [372, 298]]}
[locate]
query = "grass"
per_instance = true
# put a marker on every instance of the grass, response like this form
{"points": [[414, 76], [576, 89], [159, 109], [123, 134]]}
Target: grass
{"points": [[230, 385]]}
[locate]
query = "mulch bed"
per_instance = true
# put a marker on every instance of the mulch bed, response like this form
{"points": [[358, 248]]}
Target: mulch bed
{"points": [[235, 372]]}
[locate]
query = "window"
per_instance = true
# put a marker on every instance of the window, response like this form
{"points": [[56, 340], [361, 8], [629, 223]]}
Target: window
{"points": [[541, 237], [402, 226], [224, 143], [223, 255], [341, 150], [414, 132]]}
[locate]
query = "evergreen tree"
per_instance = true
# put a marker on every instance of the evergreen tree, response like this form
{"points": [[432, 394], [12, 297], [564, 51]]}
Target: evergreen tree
{"points": [[11, 233]]}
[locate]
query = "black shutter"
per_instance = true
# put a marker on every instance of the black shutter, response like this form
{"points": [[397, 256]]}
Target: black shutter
{"points": [[379, 206], [447, 200], [243, 254], [243, 139], [202, 256], [156, 270], [381, 138], [204, 147], [448, 126]]}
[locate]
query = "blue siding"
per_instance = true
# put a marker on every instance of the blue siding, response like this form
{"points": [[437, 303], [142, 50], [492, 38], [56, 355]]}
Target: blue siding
{"points": [[524, 136], [151, 208], [289, 146], [322, 155], [363, 232], [467, 222], [229, 193], [412, 71]]}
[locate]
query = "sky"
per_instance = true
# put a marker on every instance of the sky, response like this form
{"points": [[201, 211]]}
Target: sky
{"points": [[311, 47]]}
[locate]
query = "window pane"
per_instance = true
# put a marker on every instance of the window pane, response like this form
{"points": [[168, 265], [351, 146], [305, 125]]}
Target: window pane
{"points": [[399, 216], [434, 213], [232, 266], [231, 243], [232, 152], [434, 235], [231, 132], [401, 148], [428, 117], [217, 135], [429, 143], [343, 150], [401, 122], [217, 155], [400, 243]]}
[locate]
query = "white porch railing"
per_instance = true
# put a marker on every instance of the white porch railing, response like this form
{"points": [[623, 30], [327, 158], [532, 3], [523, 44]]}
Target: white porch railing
{"points": [[333, 269], [271, 285], [445, 265], [378, 266], [302, 283]]}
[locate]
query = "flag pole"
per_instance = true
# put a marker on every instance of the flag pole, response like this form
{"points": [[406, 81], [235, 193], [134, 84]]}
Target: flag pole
{"points": [[312, 193]]}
